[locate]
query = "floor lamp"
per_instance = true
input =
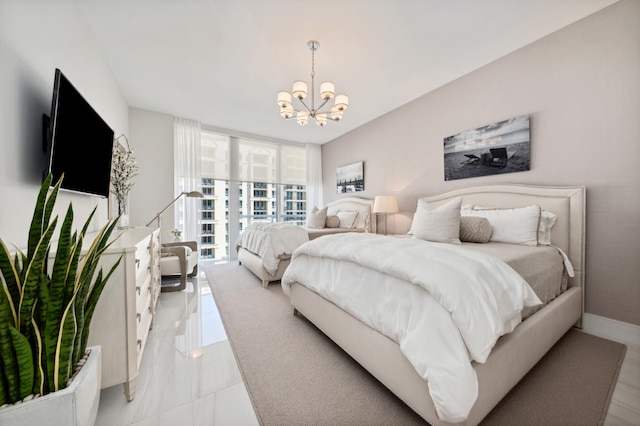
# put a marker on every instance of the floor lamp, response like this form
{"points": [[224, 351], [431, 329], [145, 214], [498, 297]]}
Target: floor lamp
{"points": [[190, 194], [385, 204]]}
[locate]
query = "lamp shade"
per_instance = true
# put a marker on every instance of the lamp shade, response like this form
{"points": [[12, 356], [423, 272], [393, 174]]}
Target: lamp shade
{"points": [[286, 111], [336, 114], [327, 90], [342, 102], [194, 194], [302, 117], [321, 119], [284, 99], [300, 89], [385, 204]]}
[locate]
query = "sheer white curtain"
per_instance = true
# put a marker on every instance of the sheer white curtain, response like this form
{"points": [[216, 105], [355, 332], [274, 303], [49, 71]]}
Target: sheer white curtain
{"points": [[187, 176], [314, 176]]}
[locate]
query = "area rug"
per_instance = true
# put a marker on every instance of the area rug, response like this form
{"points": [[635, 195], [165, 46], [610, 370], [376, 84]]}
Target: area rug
{"points": [[295, 375]]}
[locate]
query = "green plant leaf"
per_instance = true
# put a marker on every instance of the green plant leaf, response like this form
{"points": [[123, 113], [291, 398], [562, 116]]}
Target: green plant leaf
{"points": [[24, 362], [64, 350], [40, 385], [32, 277], [4, 392], [11, 287], [61, 285], [9, 363]]}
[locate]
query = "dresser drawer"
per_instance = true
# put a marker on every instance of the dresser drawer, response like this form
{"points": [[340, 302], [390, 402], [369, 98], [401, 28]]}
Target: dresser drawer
{"points": [[143, 299]]}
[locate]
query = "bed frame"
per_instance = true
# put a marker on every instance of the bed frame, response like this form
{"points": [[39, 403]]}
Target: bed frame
{"points": [[514, 354], [253, 262]]}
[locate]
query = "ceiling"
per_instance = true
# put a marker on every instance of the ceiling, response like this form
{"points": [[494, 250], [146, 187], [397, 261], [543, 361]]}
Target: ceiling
{"points": [[222, 62]]}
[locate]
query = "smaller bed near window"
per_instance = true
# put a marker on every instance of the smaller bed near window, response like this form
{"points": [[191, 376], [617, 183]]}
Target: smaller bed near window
{"points": [[265, 249]]}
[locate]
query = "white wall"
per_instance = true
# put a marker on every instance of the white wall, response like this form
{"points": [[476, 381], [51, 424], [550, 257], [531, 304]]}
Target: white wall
{"points": [[581, 87], [152, 142], [36, 37]]}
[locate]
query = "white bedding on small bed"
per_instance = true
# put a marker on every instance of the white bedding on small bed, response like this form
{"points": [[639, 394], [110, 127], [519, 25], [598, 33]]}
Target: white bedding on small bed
{"points": [[471, 299], [271, 242]]}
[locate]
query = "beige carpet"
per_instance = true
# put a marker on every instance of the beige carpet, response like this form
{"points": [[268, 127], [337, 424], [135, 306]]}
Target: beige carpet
{"points": [[296, 376]]}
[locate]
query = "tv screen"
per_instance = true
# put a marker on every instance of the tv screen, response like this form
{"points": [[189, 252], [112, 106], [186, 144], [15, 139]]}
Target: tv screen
{"points": [[80, 142]]}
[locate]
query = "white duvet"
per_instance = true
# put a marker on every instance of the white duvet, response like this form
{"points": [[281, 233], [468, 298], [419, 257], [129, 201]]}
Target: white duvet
{"points": [[271, 241], [444, 304]]}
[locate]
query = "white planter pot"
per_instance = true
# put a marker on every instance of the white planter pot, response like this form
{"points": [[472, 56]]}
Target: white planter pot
{"points": [[75, 405]]}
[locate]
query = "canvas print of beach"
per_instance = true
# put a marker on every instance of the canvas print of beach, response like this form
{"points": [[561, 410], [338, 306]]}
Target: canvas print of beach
{"points": [[497, 148], [350, 178]]}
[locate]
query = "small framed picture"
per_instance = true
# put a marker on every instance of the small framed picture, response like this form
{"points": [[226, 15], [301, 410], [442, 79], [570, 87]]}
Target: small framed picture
{"points": [[350, 178]]}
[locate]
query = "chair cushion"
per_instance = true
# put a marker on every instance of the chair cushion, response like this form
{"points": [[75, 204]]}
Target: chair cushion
{"points": [[170, 263]]}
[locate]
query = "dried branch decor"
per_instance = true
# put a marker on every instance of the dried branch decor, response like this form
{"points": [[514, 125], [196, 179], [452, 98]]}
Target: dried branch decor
{"points": [[123, 169]]}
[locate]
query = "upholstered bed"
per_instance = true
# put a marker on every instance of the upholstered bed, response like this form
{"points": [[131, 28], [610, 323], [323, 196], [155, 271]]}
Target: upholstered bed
{"points": [[256, 245], [519, 341]]}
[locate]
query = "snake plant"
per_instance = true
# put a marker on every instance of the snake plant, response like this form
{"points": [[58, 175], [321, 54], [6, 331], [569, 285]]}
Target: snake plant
{"points": [[45, 312]]}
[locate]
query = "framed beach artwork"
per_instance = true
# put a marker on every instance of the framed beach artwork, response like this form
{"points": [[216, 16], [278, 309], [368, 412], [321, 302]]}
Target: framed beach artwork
{"points": [[350, 178], [497, 148]]}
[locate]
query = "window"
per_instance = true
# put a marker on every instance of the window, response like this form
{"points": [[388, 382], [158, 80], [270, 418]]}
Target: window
{"points": [[265, 181]]}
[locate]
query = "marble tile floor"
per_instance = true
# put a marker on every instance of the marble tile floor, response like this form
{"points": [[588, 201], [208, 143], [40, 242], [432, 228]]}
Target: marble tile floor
{"points": [[189, 376]]}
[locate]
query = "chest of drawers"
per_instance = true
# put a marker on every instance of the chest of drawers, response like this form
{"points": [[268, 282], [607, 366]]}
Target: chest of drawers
{"points": [[124, 313]]}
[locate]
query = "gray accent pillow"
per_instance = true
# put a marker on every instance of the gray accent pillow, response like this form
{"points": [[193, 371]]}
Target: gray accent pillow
{"points": [[332, 222], [475, 229]]}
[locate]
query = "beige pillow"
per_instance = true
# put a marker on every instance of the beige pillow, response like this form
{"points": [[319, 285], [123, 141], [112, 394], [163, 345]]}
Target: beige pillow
{"points": [[440, 224], [332, 222], [317, 218], [475, 229]]}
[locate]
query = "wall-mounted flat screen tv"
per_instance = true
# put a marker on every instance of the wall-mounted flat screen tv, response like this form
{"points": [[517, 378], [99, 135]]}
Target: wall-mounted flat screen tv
{"points": [[80, 142]]}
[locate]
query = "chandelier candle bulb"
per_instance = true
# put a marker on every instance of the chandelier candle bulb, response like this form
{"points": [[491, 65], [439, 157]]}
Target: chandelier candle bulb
{"points": [[321, 119], [310, 110], [286, 111], [302, 117]]}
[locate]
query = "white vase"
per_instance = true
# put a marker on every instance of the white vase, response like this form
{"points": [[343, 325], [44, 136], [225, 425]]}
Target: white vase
{"points": [[123, 211], [75, 405]]}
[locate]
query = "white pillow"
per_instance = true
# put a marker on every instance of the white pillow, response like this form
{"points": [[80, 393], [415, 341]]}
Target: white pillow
{"points": [[516, 226], [361, 220], [419, 207], [440, 224], [317, 218], [547, 220], [347, 219]]}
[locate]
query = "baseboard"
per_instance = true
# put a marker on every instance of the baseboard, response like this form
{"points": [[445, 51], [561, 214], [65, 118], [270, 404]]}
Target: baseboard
{"points": [[611, 329]]}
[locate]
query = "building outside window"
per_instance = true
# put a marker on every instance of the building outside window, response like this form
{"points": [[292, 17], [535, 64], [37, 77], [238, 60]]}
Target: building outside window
{"points": [[266, 183]]}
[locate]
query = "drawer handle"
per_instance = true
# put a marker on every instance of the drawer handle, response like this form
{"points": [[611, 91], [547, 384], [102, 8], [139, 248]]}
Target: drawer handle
{"points": [[139, 344], [138, 316], [137, 263], [138, 290], [150, 311]]}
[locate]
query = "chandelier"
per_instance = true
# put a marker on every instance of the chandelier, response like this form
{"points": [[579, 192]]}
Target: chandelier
{"points": [[327, 92]]}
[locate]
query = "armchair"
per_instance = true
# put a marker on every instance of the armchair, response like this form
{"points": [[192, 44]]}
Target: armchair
{"points": [[179, 259]]}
